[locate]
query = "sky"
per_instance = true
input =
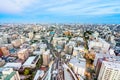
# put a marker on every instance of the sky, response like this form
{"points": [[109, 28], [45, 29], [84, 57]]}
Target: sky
{"points": [[60, 11]]}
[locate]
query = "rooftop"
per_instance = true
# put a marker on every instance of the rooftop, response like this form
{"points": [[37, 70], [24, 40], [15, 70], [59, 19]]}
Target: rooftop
{"points": [[47, 52], [31, 60], [13, 65], [8, 77], [39, 73], [111, 65], [78, 63]]}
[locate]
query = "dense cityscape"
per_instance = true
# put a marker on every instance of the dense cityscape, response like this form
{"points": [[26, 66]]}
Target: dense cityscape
{"points": [[59, 52]]}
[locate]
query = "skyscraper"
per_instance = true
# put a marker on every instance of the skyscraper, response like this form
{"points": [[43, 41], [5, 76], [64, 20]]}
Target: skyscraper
{"points": [[46, 58], [109, 71]]}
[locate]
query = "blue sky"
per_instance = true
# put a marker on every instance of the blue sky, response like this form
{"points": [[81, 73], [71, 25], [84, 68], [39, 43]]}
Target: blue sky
{"points": [[60, 11]]}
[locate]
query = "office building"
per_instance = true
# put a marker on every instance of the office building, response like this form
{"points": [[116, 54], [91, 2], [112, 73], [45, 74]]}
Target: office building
{"points": [[9, 74], [109, 71], [46, 58]]}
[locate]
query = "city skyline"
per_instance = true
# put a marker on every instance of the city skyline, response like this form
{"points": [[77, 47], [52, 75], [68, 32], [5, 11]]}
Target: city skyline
{"points": [[64, 11]]}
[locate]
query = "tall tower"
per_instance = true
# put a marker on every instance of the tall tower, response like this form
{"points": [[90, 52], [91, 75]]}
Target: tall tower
{"points": [[46, 58]]}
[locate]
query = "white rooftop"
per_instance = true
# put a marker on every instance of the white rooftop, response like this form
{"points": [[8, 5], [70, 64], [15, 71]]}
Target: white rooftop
{"points": [[78, 63], [29, 61], [34, 44], [13, 65], [43, 46], [79, 48], [6, 70], [111, 65], [71, 43], [47, 52], [37, 52]]}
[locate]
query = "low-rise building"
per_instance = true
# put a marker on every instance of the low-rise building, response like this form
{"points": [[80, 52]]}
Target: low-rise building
{"points": [[78, 66], [1, 54], [23, 54], [101, 44], [77, 50], [31, 62], [2, 62], [15, 66], [9, 46], [30, 35], [34, 46], [5, 51], [37, 52], [16, 43], [39, 74]]}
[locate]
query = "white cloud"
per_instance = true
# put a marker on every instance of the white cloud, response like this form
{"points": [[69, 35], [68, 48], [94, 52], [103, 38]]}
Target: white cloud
{"points": [[54, 3], [62, 7], [14, 6], [88, 8]]}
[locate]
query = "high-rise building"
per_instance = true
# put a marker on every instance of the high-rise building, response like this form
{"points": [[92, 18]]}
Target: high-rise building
{"points": [[115, 59], [9, 74], [46, 57], [109, 71], [98, 66]]}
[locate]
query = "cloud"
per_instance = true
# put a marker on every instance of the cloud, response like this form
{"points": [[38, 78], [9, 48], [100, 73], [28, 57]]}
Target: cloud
{"points": [[88, 7], [62, 7], [14, 6]]}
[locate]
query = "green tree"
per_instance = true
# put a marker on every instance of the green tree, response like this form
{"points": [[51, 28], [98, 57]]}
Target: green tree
{"points": [[26, 71], [69, 37], [86, 38], [40, 62]]}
